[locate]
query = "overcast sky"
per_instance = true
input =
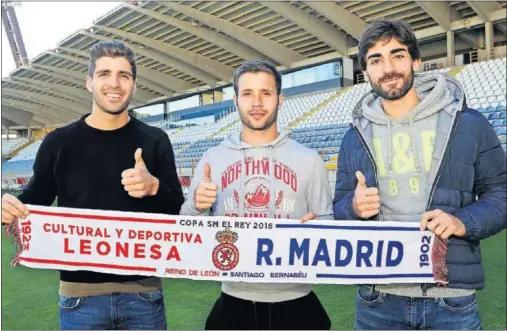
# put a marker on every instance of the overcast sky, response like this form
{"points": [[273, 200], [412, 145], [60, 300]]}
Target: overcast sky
{"points": [[44, 24], [44, 31]]}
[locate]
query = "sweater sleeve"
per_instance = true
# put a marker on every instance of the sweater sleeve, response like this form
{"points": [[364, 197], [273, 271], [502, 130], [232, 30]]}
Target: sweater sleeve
{"points": [[42, 189], [169, 197]]}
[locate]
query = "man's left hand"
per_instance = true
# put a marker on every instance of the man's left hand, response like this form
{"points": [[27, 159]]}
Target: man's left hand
{"points": [[309, 216], [138, 181], [442, 224]]}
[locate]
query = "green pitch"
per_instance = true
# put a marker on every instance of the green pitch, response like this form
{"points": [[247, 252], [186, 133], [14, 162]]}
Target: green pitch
{"points": [[30, 296]]}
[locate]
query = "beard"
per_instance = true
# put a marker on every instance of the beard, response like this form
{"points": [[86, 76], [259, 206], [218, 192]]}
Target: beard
{"points": [[268, 123], [394, 93], [101, 103]]}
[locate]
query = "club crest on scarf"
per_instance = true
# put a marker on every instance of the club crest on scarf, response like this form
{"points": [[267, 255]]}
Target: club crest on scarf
{"points": [[225, 255]]}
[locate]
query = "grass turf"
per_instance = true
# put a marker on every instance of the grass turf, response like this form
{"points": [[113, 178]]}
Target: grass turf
{"points": [[30, 296]]}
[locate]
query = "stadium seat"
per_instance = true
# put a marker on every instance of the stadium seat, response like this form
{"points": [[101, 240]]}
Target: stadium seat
{"points": [[327, 115], [501, 131], [492, 116]]}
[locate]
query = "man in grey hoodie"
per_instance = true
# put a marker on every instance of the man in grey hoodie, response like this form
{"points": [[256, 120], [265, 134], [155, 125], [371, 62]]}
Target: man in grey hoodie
{"points": [[417, 153], [261, 172]]}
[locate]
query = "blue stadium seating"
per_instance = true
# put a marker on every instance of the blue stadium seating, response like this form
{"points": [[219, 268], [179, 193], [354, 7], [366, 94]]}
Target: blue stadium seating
{"points": [[322, 129], [17, 167], [501, 130]]}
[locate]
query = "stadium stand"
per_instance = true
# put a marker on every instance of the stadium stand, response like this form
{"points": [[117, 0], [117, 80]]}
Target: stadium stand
{"points": [[27, 153], [21, 164], [485, 86], [317, 119], [10, 145], [17, 168], [192, 142]]}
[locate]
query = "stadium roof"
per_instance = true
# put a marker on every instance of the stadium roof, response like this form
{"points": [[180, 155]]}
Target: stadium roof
{"points": [[189, 46]]}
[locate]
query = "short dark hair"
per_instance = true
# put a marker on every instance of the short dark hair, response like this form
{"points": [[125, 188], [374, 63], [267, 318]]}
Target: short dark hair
{"points": [[385, 29], [257, 66], [112, 49]]}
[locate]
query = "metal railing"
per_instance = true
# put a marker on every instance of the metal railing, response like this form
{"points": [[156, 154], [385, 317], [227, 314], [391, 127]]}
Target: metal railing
{"points": [[480, 55]]}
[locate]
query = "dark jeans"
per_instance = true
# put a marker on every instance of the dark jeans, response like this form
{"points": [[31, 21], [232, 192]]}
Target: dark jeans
{"points": [[231, 313], [129, 311], [383, 311]]}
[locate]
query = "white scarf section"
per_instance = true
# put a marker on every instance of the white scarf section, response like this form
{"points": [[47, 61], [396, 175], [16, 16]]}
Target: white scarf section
{"points": [[228, 249]]}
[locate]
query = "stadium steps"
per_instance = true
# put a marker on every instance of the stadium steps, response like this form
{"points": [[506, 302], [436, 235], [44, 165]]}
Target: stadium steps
{"points": [[332, 163], [216, 134], [315, 109], [179, 163], [178, 130], [331, 166], [213, 135], [184, 147], [17, 149], [455, 71]]}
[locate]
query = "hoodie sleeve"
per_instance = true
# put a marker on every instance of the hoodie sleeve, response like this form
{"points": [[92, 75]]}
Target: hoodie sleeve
{"points": [[320, 200], [188, 208], [488, 215]]}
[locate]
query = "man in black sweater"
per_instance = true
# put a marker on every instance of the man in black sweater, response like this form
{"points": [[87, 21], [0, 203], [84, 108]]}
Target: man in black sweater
{"points": [[105, 160]]}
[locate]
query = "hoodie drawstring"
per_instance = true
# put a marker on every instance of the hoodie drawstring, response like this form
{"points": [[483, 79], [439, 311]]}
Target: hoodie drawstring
{"points": [[272, 191], [241, 183], [236, 142], [412, 140], [390, 147]]}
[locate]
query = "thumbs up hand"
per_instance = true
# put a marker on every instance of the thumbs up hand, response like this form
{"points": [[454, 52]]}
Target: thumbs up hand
{"points": [[206, 193], [138, 156], [207, 173], [366, 202], [138, 181]]}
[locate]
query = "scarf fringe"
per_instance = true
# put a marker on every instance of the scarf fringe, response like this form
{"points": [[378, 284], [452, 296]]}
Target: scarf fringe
{"points": [[13, 233], [439, 258]]}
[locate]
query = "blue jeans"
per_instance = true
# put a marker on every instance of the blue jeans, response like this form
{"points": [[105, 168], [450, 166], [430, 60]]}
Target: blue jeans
{"points": [[383, 311], [125, 311]]}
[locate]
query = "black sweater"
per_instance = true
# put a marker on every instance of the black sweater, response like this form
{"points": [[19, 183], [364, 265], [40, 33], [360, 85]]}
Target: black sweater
{"points": [[82, 166]]}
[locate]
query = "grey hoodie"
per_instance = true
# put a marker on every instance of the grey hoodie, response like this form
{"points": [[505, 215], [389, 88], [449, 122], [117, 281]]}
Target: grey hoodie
{"points": [[407, 157], [403, 148], [282, 179]]}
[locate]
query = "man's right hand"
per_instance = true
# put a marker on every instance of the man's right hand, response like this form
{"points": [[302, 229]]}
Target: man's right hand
{"points": [[366, 201], [206, 193], [12, 208]]}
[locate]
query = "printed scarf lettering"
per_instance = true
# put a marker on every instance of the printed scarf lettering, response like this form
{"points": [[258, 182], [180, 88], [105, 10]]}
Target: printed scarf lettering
{"points": [[228, 248]]}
